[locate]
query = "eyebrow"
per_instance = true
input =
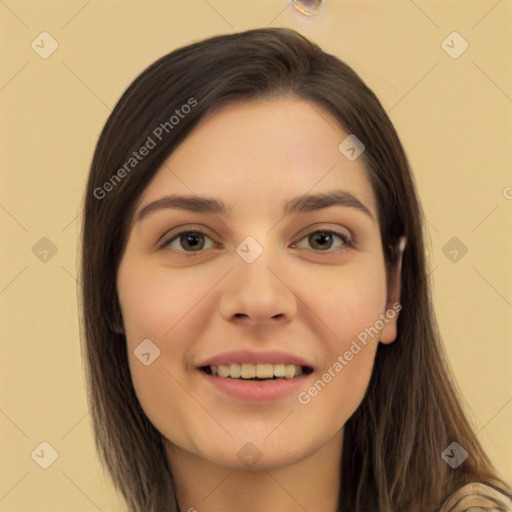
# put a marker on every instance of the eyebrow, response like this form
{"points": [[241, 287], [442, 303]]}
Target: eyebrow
{"points": [[301, 204]]}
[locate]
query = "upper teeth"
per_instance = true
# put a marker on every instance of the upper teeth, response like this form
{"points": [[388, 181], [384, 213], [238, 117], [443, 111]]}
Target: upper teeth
{"points": [[261, 371]]}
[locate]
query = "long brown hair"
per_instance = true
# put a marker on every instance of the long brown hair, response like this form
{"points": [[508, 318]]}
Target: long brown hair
{"points": [[411, 412]]}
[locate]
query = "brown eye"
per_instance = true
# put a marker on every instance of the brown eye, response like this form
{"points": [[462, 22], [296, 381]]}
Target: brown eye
{"points": [[323, 240], [187, 241], [194, 241]]}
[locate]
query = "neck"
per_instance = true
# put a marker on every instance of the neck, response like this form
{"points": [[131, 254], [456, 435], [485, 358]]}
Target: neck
{"points": [[312, 483]]}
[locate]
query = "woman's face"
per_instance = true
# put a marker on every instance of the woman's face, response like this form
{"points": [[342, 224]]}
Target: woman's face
{"points": [[264, 288]]}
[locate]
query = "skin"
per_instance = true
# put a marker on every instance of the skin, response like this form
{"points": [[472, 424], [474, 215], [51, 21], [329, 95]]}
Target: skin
{"points": [[304, 300]]}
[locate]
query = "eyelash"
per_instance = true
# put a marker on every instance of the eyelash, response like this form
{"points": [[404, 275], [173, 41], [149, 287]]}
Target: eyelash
{"points": [[347, 242]]}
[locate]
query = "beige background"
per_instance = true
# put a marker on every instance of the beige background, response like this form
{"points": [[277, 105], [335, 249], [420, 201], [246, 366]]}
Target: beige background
{"points": [[453, 116]]}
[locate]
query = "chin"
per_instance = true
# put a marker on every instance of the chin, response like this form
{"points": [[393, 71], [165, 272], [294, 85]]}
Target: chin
{"points": [[260, 454], [254, 461]]}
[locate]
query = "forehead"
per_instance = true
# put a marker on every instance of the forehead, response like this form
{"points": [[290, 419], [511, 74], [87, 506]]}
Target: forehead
{"points": [[255, 155]]}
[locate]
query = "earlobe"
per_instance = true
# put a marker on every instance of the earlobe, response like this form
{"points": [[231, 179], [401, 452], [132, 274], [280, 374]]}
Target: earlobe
{"points": [[393, 305], [117, 326]]}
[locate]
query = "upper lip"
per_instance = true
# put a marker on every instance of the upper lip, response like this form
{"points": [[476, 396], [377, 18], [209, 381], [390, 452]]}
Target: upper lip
{"points": [[246, 356]]}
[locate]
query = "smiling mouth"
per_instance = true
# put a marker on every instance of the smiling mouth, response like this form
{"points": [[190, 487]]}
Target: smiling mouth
{"points": [[256, 372]]}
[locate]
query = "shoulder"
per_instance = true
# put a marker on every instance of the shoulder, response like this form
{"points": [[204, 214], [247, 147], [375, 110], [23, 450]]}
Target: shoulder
{"points": [[477, 497]]}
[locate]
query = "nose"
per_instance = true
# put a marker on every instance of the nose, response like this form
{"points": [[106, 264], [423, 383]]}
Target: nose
{"points": [[258, 293]]}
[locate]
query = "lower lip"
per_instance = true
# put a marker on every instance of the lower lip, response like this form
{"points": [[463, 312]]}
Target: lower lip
{"points": [[257, 390]]}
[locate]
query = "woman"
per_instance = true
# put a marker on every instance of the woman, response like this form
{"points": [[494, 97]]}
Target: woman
{"points": [[257, 319]]}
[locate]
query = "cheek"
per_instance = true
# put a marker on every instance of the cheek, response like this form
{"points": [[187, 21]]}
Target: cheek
{"points": [[351, 299], [168, 308], [350, 305], [337, 392], [156, 300]]}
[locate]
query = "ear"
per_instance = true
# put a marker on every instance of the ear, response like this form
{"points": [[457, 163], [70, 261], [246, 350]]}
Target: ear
{"points": [[393, 305], [116, 323]]}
